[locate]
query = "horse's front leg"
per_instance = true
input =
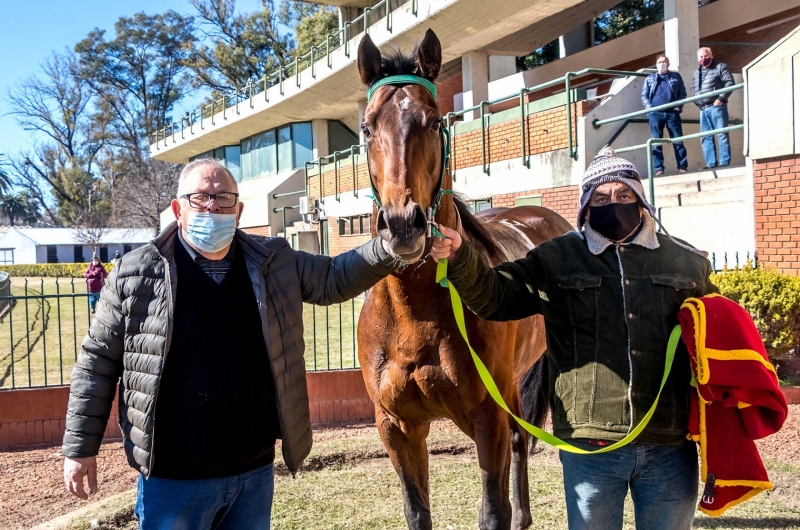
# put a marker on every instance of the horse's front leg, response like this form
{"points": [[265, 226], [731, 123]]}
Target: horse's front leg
{"points": [[519, 474], [493, 440], [408, 452]]}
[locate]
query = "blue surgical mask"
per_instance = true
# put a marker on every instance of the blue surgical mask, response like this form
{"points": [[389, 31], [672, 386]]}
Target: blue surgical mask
{"points": [[210, 232]]}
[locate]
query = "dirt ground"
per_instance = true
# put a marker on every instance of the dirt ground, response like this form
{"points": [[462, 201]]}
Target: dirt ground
{"points": [[32, 491]]}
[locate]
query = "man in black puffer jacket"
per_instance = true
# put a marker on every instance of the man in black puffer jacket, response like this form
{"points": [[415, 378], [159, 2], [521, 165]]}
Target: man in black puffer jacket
{"points": [[201, 334], [711, 76]]}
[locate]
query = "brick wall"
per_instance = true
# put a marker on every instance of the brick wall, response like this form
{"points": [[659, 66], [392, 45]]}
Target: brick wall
{"points": [[546, 131], [446, 90], [777, 197], [36, 416], [339, 244], [258, 231], [563, 200]]}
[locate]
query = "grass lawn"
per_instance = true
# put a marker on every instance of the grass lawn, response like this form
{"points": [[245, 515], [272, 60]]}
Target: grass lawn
{"points": [[41, 337], [350, 484]]}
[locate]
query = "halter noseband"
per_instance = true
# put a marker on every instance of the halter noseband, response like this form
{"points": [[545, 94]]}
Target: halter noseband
{"points": [[444, 136]]}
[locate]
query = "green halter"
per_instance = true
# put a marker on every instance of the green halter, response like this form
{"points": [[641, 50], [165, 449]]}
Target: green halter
{"points": [[444, 135]]}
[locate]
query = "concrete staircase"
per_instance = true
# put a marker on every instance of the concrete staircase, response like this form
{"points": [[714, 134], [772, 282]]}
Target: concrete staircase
{"points": [[712, 210]]}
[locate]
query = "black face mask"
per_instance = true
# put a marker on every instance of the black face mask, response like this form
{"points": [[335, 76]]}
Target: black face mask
{"points": [[616, 220]]}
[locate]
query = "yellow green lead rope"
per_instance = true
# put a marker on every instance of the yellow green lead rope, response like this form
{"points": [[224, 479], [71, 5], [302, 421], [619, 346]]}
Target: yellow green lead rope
{"points": [[486, 377]]}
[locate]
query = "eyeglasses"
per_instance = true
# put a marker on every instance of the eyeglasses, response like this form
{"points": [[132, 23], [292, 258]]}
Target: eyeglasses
{"points": [[225, 199]]}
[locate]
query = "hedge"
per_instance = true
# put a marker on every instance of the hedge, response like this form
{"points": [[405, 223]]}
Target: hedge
{"points": [[772, 299], [49, 270]]}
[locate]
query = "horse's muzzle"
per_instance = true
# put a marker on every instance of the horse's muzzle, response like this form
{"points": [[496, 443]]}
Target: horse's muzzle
{"points": [[404, 230]]}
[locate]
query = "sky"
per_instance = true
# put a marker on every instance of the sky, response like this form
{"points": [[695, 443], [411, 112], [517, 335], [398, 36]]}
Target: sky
{"points": [[31, 30]]}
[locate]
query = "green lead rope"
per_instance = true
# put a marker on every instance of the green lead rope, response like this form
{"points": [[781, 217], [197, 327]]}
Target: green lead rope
{"points": [[491, 386]]}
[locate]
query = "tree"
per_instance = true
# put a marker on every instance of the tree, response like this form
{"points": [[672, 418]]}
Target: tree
{"points": [[312, 23], [235, 49], [144, 193], [57, 105], [19, 206], [137, 74], [547, 53], [627, 17], [5, 178]]}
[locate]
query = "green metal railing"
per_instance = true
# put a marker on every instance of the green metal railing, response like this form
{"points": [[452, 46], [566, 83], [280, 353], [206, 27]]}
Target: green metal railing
{"points": [[46, 319], [632, 117], [307, 61], [452, 117]]}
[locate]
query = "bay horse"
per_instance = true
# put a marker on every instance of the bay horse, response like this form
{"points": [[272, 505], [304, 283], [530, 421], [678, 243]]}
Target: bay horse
{"points": [[416, 366]]}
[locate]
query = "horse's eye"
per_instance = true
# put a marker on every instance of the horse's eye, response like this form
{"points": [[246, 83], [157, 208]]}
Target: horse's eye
{"points": [[365, 130], [436, 124]]}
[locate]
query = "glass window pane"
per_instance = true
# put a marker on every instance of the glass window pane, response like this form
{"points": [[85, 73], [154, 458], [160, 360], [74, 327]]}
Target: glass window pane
{"points": [[302, 138], [233, 162], [284, 148], [244, 160]]}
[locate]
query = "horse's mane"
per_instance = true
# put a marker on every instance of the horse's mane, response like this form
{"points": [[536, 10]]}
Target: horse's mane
{"points": [[397, 63], [477, 234]]}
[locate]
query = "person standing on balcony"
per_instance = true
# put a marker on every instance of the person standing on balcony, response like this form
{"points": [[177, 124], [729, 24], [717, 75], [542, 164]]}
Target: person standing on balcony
{"points": [[711, 76], [95, 275], [610, 294], [204, 327], [662, 88]]}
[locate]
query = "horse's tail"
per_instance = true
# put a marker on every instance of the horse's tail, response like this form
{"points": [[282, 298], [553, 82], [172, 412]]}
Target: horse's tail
{"points": [[534, 393]]}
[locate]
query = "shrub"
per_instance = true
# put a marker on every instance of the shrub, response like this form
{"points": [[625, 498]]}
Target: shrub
{"points": [[49, 270], [771, 298]]}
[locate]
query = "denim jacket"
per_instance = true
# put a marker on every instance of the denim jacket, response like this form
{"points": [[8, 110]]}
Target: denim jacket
{"points": [[675, 83], [609, 310]]}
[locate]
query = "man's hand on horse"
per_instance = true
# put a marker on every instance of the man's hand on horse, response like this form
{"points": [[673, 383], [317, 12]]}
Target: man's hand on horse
{"points": [[74, 471], [446, 247]]}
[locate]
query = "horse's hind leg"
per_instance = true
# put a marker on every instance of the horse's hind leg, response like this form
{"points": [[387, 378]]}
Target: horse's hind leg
{"points": [[409, 455], [493, 440], [521, 504]]}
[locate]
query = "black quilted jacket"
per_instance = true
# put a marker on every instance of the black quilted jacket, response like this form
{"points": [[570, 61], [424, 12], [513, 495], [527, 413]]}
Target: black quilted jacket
{"points": [[716, 76], [129, 338]]}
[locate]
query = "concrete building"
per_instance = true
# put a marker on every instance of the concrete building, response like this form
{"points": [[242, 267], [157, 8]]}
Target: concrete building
{"points": [[65, 245], [284, 137]]}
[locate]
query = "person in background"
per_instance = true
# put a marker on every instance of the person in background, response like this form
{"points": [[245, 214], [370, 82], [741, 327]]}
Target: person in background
{"points": [[95, 278], [662, 88], [711, 76], [116, 256]]}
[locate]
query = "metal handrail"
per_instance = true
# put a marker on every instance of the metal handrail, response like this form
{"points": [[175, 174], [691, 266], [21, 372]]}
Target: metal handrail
{"points": [[283, 209], [277, 195], [597, 123], [649, 144], [247, 92]]}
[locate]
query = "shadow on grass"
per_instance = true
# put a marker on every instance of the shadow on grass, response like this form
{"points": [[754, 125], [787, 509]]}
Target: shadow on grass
{"points": [[747, 522]]}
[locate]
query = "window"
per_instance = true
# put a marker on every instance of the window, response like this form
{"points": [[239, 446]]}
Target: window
{"points": [[355, 225], [104, 254], [285, 148], [480, 205], [126, 248], [528, 201], [77, 254], [6, 256], [258, 156], [340, 137], [52, 254], [233, 161], [303, 144]]}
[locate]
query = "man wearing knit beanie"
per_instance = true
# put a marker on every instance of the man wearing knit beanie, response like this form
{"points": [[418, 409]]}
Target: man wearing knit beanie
{"points": [[610, 294]]}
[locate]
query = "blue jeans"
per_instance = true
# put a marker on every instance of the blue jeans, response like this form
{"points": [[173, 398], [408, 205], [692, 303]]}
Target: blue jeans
{"points": [[239, 502], [662, 479], [93, 298], [715, 118], [672, 121]]}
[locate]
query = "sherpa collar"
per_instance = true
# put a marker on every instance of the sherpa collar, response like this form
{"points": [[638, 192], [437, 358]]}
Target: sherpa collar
{"points": [[646, 237]]}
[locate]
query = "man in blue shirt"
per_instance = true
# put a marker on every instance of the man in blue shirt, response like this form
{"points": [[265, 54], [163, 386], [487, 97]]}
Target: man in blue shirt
{"points": [[659, 89]]}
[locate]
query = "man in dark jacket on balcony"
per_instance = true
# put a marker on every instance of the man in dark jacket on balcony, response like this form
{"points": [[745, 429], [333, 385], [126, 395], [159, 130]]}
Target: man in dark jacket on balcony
{"points": [[659, 89], [711, 76], [203, 330], [610, 295]]}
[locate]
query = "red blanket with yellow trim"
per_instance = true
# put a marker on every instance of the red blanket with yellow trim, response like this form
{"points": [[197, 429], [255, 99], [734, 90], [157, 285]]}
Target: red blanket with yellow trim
{"points": [[738, 399]]}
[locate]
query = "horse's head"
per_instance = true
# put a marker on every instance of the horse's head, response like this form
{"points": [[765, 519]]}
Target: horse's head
{"points": [[404, 143]]}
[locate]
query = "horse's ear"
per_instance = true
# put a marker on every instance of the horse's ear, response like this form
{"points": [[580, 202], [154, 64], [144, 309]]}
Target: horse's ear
{"points": [[369, 61], [429, 56]]}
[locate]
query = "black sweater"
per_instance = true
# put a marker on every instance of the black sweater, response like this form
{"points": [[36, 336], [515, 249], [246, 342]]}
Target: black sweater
{"points": [[215, 412]]}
